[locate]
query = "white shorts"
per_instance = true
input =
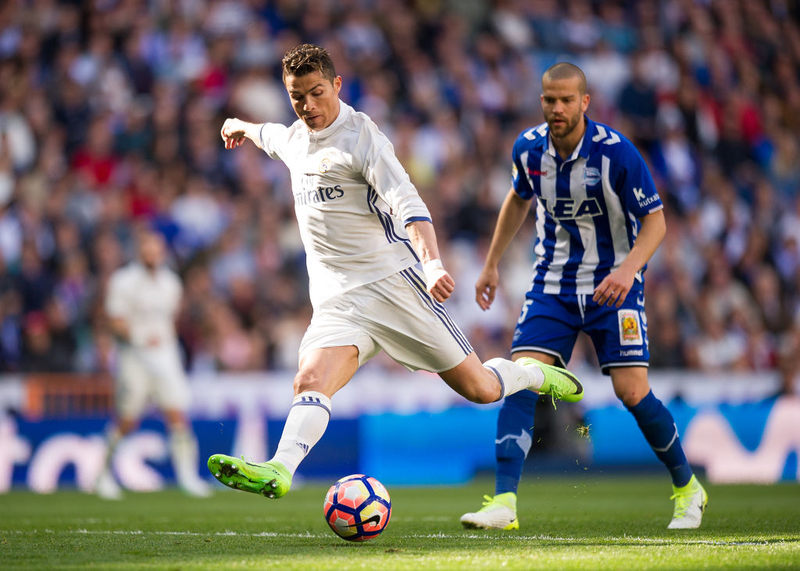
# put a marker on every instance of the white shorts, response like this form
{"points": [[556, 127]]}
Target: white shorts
{"points": [[147, 376], [395, 314]]}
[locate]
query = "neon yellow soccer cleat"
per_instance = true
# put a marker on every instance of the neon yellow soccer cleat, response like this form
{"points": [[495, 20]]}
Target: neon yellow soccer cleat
{"points": [[270, 479], [690, 503], [558, 383], [499, 512]]}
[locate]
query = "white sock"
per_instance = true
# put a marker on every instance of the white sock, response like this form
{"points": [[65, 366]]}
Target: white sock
{"points": [[113, 436], [183, 449], [308, 418], [514, 377]]}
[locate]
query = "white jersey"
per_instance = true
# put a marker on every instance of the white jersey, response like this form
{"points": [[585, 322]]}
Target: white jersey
{"points": [[148, 302], [352, 199]]}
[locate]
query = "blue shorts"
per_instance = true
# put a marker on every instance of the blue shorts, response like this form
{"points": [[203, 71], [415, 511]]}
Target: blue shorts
{"points": [[550, 324]]}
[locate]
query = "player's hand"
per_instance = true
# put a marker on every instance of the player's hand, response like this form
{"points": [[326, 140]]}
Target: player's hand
{"points": [[614, 288], [486, 286], [233, 133], [440, 283]]}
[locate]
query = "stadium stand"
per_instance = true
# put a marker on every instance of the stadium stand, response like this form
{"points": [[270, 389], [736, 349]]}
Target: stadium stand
{"points": [[110, 114]]}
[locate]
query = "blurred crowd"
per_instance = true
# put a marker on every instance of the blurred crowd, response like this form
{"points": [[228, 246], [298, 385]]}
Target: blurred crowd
{"points": [[110, 112]]}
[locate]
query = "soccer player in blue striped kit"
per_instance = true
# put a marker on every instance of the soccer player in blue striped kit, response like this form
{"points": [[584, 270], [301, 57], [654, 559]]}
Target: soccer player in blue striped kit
{"points": [[599, 219]]}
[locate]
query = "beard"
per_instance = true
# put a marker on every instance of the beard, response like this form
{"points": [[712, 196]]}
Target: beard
{"points": [[562, 130]]}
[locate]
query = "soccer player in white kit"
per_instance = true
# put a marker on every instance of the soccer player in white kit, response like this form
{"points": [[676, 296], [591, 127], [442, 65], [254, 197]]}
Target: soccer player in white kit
{"points": [[366, 233], [142, 303]]}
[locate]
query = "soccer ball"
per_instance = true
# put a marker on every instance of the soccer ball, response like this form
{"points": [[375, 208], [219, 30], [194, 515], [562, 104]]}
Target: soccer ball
{"points": [[357, 508]]}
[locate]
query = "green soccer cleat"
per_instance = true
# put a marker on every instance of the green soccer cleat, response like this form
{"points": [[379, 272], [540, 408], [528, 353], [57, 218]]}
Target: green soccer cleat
{"points": [[690, 503], [499, 512], [558, 383], [270, 479]]}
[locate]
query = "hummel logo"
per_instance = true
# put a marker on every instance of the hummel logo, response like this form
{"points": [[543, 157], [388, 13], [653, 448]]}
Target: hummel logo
{"points": [[612, 139], [533, 172], [376, 519]]}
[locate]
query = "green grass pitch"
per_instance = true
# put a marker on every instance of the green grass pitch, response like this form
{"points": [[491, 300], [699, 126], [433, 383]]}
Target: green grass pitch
{"points": [[591, 522]]}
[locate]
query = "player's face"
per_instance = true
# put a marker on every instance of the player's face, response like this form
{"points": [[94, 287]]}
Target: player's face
{"points": [[563, 107], [151, 251], [314, 98]]}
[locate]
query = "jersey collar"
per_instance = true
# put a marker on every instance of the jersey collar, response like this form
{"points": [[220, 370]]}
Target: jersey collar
{"points": [[582, 150], [586, 144]]}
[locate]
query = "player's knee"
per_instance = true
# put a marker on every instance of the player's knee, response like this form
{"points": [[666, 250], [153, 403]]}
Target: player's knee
{"points": [[631, 396], [126, 426], [306, 381]]}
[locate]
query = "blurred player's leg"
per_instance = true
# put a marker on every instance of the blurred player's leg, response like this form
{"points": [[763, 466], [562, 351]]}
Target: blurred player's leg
{"points": [[183, 451], [172, 392], [130, 399], [106, 485]]}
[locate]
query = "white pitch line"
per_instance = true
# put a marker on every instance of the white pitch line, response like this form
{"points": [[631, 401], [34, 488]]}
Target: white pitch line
{"points": [[624, 539], [309, 535]]}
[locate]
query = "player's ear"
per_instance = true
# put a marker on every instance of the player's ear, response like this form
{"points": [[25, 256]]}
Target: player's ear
{"points": [[337, 83], [585, 102]]}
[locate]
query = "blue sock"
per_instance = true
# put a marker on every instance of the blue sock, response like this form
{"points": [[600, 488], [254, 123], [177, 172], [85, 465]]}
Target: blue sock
{"points": [[514, 439], [658, 427]]}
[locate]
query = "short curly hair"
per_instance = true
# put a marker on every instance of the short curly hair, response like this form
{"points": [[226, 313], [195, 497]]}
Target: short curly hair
{"points": [[308, 58]]}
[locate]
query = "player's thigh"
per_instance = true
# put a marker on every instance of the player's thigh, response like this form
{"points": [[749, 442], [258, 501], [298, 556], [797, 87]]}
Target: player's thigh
{"points": [[630, 384], [545, 358], [409, 325], [548, 325], [326, 370], [619, 335], [131, 386], [335, 325], [170, 386]]}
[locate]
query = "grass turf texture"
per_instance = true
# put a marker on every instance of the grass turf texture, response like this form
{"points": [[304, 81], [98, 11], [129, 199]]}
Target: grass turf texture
{"points": [[582, 523]]}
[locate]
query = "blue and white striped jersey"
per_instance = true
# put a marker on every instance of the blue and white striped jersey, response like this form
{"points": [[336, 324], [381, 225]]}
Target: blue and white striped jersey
{"points": [[588, 208]]}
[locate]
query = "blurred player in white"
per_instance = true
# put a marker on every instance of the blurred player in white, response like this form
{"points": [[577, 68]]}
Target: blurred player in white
{"points": [[365, 231], [142, 303]]}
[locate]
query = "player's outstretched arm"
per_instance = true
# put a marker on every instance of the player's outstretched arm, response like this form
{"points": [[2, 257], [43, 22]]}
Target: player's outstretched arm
{"points": [[439, 282], [512, 215], [615, 286], [235, 132]]}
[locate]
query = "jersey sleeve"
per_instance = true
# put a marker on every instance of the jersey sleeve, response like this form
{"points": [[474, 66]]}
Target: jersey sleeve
{"points": [[116, 302], [519, 180], [272, 136], [177, 293], [383, 172], [635, 184]]}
